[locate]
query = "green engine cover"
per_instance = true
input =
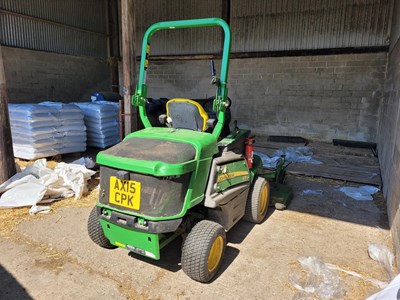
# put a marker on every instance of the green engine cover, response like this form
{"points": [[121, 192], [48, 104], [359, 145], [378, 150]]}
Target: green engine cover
{"points": [[232, 174]]}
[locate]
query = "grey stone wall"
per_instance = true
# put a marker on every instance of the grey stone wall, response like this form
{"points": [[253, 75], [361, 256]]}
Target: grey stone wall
{"points": [[389, 137], [317, 97], [34, 76]]}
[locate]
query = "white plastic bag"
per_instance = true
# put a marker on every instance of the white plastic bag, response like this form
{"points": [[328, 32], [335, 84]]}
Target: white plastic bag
{"points": [[39, 184], [384, 256], [268, 162], [319, 281], [85, 161], [75, 177], [392, 291], [311, 192], [292, 154], [359, 193], [35, 209], [26, 194], [300, 154], [16, 180]]}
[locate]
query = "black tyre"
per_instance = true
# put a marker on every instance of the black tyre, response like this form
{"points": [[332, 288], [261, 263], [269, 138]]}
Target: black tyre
{"points": [[257, 201], [203, 250], [95, 231]]}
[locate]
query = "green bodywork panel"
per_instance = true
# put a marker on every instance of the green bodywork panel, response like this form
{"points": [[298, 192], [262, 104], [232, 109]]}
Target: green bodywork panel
{"points": [[233, 136], [232, 174], [147, 244], [258, 167], [204, 143], [281, 193]]}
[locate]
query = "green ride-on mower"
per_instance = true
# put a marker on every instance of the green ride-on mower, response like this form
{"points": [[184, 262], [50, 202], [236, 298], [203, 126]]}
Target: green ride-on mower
{"points": [[187, 178]]}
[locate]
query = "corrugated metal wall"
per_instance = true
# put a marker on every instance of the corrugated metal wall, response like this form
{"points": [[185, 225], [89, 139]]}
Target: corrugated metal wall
{"points": [[182, 41], [271, 25], [395, 33], [79, 27], [70, 27]]}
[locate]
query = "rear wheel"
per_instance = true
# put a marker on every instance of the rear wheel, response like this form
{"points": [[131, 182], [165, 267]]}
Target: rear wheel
{"points": [[203, 250], [257, 201], [95, 231]]}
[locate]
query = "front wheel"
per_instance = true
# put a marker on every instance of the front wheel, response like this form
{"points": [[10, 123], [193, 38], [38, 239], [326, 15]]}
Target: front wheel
{"points": [[95, 231], [203, 250], [257, 201]]}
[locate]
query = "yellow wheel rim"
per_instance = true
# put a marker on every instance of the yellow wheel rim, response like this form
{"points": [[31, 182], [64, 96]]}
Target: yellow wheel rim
{"points": [[215, 254], [264, 199]]}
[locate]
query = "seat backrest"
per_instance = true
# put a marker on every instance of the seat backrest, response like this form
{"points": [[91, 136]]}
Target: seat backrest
{"points": [[186, 114]]}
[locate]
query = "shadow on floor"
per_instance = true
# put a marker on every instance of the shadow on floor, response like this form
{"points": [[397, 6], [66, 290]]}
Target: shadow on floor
{"points": [[10, 288], [331, 203], [242, 229], [170, 256]]}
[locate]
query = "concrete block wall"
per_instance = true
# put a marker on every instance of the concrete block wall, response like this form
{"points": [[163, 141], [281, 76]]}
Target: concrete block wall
{"points": [[317, 97], [389, 135], [34, 76]]}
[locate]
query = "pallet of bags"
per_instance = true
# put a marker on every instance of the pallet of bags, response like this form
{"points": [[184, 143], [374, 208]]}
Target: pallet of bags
{"points": [[32, 129], [46, 129], [71, 131], [102, 123]]}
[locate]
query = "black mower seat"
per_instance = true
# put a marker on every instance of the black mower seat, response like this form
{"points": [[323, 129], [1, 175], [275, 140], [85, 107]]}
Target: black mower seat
{"points": [[150, 149]]}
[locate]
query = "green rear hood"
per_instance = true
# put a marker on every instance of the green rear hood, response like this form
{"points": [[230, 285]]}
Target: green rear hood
{"points": [[205, 145]]}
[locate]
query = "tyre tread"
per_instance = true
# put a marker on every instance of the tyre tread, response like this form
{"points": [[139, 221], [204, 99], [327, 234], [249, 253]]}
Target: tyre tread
{"points": [[196, 249], [95, 231], [251, 211]]}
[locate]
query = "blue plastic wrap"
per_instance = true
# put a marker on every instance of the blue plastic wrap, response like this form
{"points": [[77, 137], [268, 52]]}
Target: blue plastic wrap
{"points": [[101, 120], [46, 129]]}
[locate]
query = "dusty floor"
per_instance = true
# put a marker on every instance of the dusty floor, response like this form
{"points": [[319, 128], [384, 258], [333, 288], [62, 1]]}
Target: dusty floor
{"points": [[51, 256]]}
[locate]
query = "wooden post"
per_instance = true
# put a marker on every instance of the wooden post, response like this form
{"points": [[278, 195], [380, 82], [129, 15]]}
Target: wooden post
{"points": [[129, 63], [7, 163], [226, 16], [226, 11], [113, 42]]}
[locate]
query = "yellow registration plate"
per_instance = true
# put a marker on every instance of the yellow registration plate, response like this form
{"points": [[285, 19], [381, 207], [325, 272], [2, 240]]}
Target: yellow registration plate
{"points": [[125, 193]]}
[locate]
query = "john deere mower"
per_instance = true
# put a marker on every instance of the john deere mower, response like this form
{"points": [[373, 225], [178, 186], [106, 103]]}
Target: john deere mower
{"points": [[190, 178]]}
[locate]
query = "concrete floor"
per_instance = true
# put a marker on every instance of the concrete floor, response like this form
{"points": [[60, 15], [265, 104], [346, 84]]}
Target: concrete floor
{"points": [[51, 257]]}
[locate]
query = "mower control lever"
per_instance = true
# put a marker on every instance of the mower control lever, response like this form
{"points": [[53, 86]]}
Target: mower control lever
{"points": [[212, 67], [215, 79]]}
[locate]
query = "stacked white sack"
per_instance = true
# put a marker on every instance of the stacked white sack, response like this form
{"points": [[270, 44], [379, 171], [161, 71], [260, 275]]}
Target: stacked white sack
{"points": [[44, 130], [32, 128], [71, 130], [102, 123]]}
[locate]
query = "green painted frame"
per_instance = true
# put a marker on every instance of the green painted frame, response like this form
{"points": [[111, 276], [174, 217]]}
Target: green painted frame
{"points": [[220, 101]]}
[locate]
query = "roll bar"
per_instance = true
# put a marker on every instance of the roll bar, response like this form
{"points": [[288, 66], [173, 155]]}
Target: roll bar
{"points": [[220, 102]]}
